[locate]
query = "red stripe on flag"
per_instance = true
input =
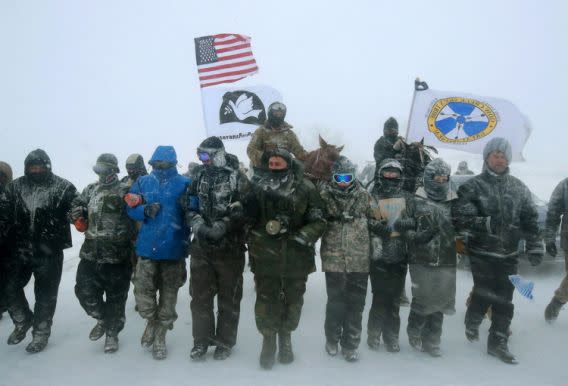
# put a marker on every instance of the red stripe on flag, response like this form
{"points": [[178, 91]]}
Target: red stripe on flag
{"points": [[233, 48], [225, 42], [235, 56], [223, 81], [228, 73], [231, 65]]}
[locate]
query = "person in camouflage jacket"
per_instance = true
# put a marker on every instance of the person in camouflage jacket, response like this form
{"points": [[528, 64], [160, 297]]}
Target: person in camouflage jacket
{"points": [[286, 215], [345, 248], [103, 274], [213, 209], [5, 243], [275, 133], [429, 233]]}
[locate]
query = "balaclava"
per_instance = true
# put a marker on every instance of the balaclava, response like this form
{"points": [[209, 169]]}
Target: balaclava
{"points": [[106, 168], [276, 121], [390, 186], [216, 150], [343, 166], [38, 157], [437, 191], [135, 166], [390, 129]]}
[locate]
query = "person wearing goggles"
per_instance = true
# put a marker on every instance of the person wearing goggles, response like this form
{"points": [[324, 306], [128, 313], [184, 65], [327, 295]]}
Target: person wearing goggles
{"points": [[274, 133], [345, 249]]}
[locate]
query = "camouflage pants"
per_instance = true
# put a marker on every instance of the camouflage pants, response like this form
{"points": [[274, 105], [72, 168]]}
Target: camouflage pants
{"points": [[387, 282], [428, 328], [46, 269], [111, 281], [561, 293], [346, 292], [491, 288], [159, 276], [216, 273], [278, 303]]}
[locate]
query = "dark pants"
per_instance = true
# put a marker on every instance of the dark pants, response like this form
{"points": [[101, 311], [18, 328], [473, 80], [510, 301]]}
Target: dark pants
{"points": [[46, 266], [278, 303], [387, 283], [111, 281], [216, 273], [4, 256], [428, 328], [491, 287], [346, 292]]}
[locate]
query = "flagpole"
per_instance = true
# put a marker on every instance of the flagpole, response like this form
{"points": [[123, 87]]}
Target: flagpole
{"points": [[418, 86]]}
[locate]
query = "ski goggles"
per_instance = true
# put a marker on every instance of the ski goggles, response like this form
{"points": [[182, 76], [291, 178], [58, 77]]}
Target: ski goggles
{"points": [[203, 156], [346, 178]]}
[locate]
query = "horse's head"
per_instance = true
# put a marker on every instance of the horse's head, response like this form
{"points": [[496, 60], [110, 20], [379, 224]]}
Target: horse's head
{"points": [[329, 152], [318, 162]]}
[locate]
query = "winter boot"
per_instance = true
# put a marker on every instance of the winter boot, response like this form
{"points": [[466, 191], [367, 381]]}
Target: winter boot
{"points": [[37, 344], [552, 310], [497, 346], [98, 331], [198, 352], [392, 346], [268, 351], [19, 333], [432, 349], [285, 353], [350, 355], [159, 349], [111, 343], [374, 340], [147, 339], [415, 342], [331, 348], [222, 352], [472, 333]]}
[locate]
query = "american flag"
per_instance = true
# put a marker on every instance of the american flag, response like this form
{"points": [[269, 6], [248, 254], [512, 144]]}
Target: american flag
{"points": [[224, 58]]}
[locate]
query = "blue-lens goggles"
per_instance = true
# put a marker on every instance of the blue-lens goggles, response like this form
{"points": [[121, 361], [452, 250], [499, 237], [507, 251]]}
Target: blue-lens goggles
{"points": [[339, 178], [203, 156]]}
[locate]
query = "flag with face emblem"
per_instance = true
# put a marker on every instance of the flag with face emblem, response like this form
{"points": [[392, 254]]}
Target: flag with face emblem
{"points": [[466, 122]]}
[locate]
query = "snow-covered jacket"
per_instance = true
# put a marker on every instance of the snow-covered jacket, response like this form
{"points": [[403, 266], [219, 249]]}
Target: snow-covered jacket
{"points": [[164, 237], [556, 214]]}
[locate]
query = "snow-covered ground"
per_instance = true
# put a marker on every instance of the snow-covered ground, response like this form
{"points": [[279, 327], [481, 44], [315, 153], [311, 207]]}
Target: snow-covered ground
{"points": [[71, 359]]}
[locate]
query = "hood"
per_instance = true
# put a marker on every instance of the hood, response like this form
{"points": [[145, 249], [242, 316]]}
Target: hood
{"points": [[164, 153], [37, 156], [6, 170]]}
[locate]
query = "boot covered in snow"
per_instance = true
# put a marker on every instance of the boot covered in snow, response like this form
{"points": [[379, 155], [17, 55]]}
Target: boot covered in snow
{"points": [[552, 310], [331, 348], [497, 346], [285, 353], [37, 344], [222, 352], [350, 355], [147, 339], [268, 352], [159, 349], [111, 343], [374, 340], [198, 352], [98, 331], [19, 333]]}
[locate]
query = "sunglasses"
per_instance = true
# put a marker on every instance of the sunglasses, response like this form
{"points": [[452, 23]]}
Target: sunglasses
{"points": [[339, 178], [203, 156]]}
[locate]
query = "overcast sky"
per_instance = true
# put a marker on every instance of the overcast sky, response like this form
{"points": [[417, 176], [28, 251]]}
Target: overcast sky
{"points": [[78, 78]]}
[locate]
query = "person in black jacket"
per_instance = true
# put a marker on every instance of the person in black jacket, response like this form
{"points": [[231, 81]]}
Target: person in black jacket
{"points": [[215, 213], [5, 249], [497, 211], [555, 217], [38, 204]]}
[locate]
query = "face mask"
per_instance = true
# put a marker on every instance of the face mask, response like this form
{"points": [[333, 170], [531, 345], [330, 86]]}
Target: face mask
{"points": [[436, 191], [38, 178], [107, 179]]}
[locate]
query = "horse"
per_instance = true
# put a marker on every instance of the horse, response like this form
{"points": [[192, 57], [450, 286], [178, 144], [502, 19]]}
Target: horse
{"points": [[318, 163], [415, 157]]}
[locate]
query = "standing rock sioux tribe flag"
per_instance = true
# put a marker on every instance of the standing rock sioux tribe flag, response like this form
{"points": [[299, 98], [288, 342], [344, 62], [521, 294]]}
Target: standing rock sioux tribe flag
{"points": [[465, 122]]}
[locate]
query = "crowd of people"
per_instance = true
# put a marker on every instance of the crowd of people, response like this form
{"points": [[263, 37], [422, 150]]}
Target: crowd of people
{"points": [[142, 228]]}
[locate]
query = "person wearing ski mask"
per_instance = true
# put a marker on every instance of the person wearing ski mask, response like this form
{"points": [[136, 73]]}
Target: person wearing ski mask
{"points": [[286, 217], [274, 133], [215, 213], [388, 258], [38, 208], [429, 233], [135, 168], [497, 211], [345, 248], [162, 246], [389, 145], [103, 274]]}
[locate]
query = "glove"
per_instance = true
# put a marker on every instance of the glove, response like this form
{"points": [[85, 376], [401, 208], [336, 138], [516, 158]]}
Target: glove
{"points": [[133, 200], [535, 257], [404, 224], [236, 211], [551, 248], [422, 237], [151, 210], [216, 231], [301, 238], [77, 212], [379, 228]]}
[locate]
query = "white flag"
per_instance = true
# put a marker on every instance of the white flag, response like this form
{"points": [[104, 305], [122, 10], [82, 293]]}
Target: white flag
{"points": [[234, 113], [465, 122]]}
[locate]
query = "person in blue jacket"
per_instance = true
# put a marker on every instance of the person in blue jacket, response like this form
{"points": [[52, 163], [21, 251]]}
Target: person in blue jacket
{"points": [[162, 246]]}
